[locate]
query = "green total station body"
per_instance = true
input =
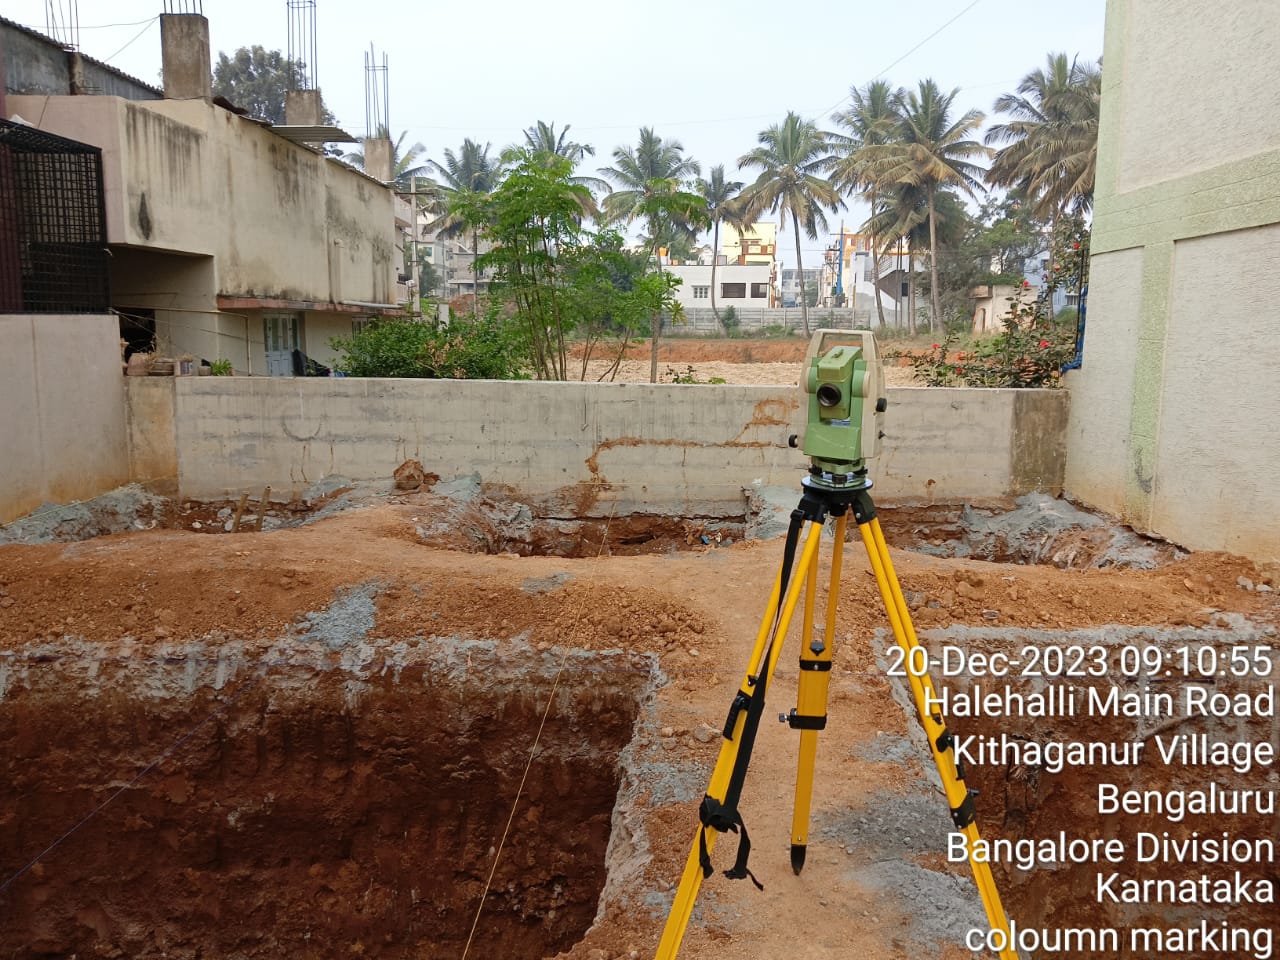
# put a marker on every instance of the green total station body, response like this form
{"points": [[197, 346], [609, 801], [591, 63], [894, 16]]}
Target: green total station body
{"points": [[846, 401]]}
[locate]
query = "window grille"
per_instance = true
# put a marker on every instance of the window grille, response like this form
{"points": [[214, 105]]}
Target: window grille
{"points": [[53, 239]]}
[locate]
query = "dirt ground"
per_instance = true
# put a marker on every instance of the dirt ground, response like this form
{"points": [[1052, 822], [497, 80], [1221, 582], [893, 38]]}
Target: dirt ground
{"points": [[143, 594], [342, 737], [733, 361]]}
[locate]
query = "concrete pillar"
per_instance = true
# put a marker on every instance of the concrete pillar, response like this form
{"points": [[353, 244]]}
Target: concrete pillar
{"points": [[184, 49], [302, 108], [377, 158]]}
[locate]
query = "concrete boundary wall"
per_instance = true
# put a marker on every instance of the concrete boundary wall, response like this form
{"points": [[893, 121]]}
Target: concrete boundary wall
{"points": [[62, 433], [585, 448]]}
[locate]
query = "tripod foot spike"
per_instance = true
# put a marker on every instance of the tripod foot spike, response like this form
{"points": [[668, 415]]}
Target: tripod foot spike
{"points": [[797, 857]]}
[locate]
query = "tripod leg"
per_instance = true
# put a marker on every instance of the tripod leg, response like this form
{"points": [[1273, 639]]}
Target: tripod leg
{"points": [[764, 658], [810, 714], [940, 743]]}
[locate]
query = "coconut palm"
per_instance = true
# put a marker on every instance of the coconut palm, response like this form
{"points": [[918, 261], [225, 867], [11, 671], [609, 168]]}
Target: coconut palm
{"points": [[651, 187], [870, 121], [1050, 151], [542, 139], [721, 196], [931, 150], [790, 158], [469, 172]]}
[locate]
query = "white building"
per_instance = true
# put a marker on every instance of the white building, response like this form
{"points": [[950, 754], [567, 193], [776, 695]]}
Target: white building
{"points": [[737, 285]]}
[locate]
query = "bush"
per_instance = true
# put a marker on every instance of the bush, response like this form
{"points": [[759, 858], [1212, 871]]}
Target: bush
{"points": [[729, 319], [467, 348], [385, 348]]}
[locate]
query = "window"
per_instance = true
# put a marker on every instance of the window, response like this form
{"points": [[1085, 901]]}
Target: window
{"points": [[360, 324], [759, 291], [701, 293], [733, 291], [1073, 299]]}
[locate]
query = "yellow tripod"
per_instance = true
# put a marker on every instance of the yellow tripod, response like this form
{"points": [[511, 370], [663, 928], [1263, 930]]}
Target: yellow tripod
{"points": [[823, 497]]}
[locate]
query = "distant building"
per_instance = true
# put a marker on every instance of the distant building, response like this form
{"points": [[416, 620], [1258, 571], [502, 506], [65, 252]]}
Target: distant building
{"points": [[792, 285], [758, 244], [737, 285]]}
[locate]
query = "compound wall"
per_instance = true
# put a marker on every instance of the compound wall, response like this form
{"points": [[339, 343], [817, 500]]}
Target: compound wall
{"points": [[62, 433], [1175, 417], [585, 449]]}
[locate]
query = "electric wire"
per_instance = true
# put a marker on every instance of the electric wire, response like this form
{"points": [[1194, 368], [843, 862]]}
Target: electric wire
{"points": [[221, 709], [533, 753], [136, 36]]}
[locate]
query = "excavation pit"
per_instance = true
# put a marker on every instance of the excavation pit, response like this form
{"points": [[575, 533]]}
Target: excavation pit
{"points": [[283, 805], [1038, 529]]}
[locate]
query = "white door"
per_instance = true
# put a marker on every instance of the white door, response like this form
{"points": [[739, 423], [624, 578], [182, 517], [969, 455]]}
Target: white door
{"points": [[282, 338]]}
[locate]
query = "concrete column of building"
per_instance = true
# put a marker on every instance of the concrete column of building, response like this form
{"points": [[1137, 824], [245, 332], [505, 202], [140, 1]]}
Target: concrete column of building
{"points": [[184, 47], [302, 108], [377, 158]]}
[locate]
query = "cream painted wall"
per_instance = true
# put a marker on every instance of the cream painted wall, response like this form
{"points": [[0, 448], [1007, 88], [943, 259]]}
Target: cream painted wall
{"points": [[281, 221], [63, 435], [1175, 421]]}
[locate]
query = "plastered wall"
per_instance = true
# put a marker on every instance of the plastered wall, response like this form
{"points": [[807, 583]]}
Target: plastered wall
{"points": [[62, 435], [584, 448], [1175, 416]]}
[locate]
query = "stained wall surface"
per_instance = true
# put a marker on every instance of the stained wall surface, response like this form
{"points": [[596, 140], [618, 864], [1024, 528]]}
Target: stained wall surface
{"points": [[588, 448], [1175, 418]]}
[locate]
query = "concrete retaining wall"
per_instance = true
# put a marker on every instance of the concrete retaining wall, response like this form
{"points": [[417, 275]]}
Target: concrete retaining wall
{"points": [[62, 435], [588, 448]]}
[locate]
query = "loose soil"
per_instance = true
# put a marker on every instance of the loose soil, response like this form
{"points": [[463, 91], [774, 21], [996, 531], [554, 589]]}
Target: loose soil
{"points": [[391, 723], [309, 742]]}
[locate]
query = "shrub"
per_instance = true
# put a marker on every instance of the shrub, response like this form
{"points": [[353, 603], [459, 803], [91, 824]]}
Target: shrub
{"points": [[467, 348]]}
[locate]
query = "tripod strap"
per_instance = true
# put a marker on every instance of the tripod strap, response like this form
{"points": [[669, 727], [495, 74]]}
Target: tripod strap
{"points": [[724, 816]]}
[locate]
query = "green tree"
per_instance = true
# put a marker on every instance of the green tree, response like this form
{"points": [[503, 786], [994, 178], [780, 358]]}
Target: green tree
{"points": [[721, 197], [790, 158], [256, 79], [871, 120], [651, 187], [533, 222], [1050, 143], [931, 151]]}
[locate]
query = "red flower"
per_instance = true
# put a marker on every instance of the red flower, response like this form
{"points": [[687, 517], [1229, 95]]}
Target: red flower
{"points": [[1075, 246], [959, 369], [935, 346], [1043, 344], [1026, 283]]}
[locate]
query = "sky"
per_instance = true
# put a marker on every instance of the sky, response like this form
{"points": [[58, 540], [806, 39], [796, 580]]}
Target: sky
{"points": [[709, 74]]}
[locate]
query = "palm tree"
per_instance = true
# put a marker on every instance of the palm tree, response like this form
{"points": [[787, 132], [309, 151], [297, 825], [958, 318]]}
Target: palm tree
{"points": [[790, 157], [1050, 151], [721, 197], [542, 140], [651, 177], [931, 150], [870, 121], [471, 172]]}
